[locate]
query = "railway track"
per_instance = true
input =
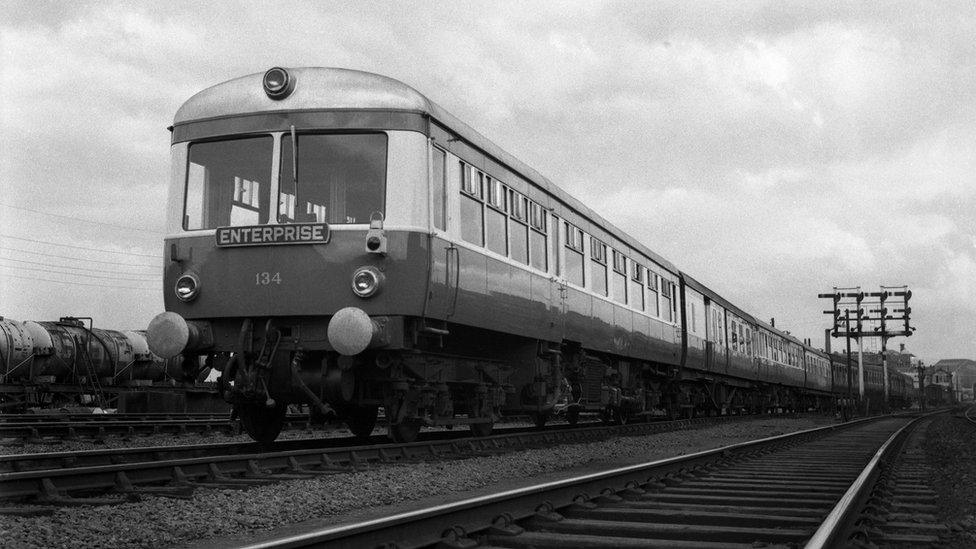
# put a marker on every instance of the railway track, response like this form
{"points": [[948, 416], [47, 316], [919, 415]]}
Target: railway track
{"points": [[53, 429], [69, 417], [778, 492], [73, 477]]}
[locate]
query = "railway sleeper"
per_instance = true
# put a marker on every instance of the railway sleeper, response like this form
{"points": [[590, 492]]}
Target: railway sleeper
{"points": [[123, 485], [51, 495]]}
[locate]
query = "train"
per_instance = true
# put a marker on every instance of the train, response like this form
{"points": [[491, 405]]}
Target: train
{"points": [[337, 239], [69, 363]]}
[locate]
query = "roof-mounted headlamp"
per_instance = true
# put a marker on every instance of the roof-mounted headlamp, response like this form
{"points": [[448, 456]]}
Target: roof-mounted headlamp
{"points": [[278, 84]]}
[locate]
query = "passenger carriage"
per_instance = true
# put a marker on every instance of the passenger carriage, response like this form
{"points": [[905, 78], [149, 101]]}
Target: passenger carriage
{"points": [[336, 239]]}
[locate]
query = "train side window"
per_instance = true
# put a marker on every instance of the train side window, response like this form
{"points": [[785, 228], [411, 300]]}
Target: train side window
{"points": [[496, 221], [574, 255], [556, 247], [517, 227], [637, 285], [472, 209], [598, 266], [666, 300], [619, 277], [537, 237], [653, 305], [438, 187]]}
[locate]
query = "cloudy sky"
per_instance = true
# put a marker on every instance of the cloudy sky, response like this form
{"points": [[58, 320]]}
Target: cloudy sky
{"points": [[773, 150]]}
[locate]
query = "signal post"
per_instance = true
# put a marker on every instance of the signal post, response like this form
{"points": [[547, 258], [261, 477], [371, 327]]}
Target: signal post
{"points": [[870, 322]]}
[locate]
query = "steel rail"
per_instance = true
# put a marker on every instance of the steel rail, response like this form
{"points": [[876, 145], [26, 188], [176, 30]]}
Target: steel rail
{"points": [[69, 417], [250, 463], [498, 513], [68, 430], [838, 521]]}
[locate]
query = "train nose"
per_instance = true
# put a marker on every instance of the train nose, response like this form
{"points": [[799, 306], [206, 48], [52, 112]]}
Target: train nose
{"points": [[169, 334], [351, 331]]}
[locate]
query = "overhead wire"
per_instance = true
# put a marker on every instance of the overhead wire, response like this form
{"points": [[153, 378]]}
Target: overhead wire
{"points": [[154, 275], [155, 256], [33, 252], [76, 274], [117, 226], [113, 286]]}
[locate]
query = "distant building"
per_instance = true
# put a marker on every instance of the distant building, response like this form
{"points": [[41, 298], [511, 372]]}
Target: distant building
{"points": [[959, 374]]}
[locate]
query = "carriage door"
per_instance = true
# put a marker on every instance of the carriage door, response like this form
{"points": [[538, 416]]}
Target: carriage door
{"points": [[443, 255], [558, 291]]}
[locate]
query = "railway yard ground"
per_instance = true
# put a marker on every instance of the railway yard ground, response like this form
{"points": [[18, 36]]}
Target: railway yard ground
{"points": [[232, 517]]}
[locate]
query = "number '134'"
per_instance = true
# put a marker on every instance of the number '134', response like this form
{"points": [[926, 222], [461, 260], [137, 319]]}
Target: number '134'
{"points": [[265, 278]]}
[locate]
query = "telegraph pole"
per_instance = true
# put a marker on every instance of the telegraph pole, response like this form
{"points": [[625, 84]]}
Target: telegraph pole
{"points": [[879, 318]]}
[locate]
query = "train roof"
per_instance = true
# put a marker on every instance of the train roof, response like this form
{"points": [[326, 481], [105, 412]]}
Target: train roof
{"points": [[326, 89], [708, 292]]}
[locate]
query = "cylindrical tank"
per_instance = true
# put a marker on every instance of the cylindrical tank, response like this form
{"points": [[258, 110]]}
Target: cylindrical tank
{"points": [[16, 349], [66, 350]]}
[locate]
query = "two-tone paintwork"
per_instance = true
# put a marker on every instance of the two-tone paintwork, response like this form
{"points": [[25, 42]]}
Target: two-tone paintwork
{"points": [[432, 273]]}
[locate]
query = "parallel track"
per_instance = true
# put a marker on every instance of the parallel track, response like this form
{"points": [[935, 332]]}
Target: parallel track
{"points": [[777, 492], [48, 429], [59, 477]]}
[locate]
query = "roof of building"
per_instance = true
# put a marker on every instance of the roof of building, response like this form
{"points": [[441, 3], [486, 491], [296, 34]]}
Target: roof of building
{"points": [[956, 364]]}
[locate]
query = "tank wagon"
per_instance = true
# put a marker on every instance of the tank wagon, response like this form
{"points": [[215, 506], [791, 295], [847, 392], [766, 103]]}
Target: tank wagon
{"points": [[68, 362], [335, 238]]}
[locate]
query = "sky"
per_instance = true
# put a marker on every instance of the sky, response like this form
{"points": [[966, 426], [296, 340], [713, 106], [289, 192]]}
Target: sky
{"points": [[773, 150]]}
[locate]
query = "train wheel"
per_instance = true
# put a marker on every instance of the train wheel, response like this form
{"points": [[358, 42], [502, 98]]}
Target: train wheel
{"points": [[405, 431], [572, 416], [540, 420], [361, 420], [261, 423]]}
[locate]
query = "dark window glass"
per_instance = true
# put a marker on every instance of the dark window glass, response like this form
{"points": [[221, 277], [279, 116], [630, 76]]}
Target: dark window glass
{"points": [[227, 183], [519, 241], [496, 234], [341, 178], [574, 267], [438, 187], [472, 219], [537, 250]]}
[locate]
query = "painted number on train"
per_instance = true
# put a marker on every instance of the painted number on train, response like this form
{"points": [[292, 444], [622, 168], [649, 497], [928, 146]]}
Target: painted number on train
{"points": [[265, 278]]}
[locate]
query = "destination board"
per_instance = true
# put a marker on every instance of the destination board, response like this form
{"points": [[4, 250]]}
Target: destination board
{"points": [[269, 235]]}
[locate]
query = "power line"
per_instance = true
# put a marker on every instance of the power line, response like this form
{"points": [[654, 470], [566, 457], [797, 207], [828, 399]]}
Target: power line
{"points": [[114, 287], [154, 275], [80, 247], [80, 258], [77, 274], [80, 219]]}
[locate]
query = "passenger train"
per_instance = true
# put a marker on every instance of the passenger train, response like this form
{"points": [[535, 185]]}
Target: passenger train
{"points": [[337, 239]]}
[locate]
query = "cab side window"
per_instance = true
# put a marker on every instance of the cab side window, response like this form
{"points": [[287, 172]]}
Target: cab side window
{"points": [[472, 206]]}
